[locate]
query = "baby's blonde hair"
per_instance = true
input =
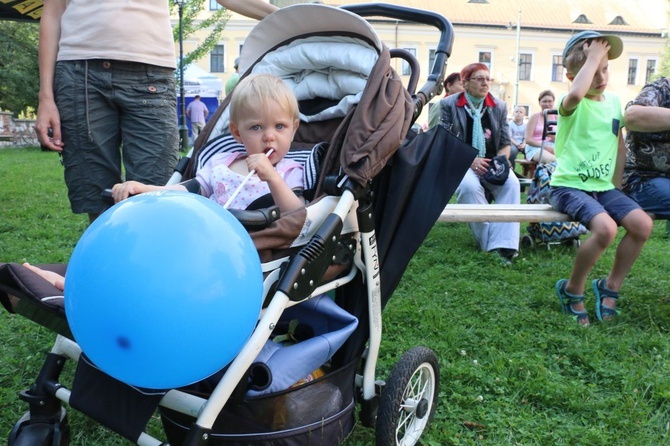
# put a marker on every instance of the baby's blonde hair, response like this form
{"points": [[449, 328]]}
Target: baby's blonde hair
{"points": [[253, 94]]}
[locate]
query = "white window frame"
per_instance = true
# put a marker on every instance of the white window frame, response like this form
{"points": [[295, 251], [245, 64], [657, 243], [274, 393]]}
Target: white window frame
{"points": [[490, 62]]}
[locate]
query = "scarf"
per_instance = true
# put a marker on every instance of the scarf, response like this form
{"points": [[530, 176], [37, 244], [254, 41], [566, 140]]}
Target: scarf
{"points": [[475, 108]]}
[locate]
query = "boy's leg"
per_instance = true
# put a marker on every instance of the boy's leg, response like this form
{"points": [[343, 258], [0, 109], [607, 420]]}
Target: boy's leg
{"points": [[584, 208], [638, 226], [603, 231]]}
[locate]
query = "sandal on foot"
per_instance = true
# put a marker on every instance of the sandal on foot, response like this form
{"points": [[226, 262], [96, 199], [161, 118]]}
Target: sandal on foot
{"points": [[601, 291], [566, 299]]}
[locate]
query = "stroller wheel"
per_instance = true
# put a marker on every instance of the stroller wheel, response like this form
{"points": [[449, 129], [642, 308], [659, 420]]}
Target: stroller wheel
{"points": [[44, 432], [527, 242], [408, 400]]}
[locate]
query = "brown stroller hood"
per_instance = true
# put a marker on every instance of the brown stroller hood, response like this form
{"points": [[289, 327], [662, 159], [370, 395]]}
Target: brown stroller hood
{"points": [[372, 132]]}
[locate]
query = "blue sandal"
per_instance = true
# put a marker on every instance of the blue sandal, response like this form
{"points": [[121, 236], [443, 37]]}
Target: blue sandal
{"points": [[566, 299], [601, 291]]}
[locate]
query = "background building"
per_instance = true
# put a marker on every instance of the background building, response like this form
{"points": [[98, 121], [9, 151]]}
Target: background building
{"points": [[506, 35]]}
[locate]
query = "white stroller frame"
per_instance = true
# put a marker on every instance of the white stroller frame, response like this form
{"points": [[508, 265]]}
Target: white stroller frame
{"points": [[411, 399], [207, 410]]}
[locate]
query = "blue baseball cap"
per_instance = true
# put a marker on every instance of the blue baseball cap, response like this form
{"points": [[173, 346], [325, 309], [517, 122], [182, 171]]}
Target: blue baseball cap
{"points": [[616, 45]]}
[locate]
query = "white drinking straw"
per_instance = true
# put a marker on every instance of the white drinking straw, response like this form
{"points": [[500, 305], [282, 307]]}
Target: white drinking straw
{"points": [[244, 181]]}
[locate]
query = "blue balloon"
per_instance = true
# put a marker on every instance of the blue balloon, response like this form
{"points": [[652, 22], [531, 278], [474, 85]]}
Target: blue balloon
{"points": [[163, 289]]}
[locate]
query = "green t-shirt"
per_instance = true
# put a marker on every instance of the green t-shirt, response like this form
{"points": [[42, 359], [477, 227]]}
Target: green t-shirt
{"points": [[587, 143]]}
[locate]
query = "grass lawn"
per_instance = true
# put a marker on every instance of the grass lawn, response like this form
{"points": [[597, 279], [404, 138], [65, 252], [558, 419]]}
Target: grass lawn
{"points": [[514, 370]]}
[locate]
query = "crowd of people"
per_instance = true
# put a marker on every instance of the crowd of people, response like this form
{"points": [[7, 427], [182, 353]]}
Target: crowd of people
{"points": [[601, 179]]}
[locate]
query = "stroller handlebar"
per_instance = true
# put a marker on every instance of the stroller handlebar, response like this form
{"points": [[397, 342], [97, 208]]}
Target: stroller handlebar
{"points": [[433, 85]]}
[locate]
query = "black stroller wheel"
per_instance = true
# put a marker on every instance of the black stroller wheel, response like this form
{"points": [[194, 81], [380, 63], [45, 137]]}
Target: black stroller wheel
{"points": [[45, 432], [527, 242], [408, 400]]}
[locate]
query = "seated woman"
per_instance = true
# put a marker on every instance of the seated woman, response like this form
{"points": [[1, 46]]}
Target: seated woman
{"points": [[480, 120], [534, 130]]}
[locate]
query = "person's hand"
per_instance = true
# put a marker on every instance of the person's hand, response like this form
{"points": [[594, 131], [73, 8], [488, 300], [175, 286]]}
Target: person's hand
{"points": [[121, 191], [262, 165], [53, 278], [480, 165], [522, 146], [596, 47], [48, 117]]}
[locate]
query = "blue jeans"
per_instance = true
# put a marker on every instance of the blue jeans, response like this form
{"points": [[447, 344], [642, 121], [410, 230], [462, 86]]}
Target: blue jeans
{"points": [[653, 196], [114, 112]]}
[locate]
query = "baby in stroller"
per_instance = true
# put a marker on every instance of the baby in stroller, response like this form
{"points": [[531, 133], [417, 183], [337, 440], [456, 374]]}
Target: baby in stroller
{"points": [[360, 142], [264, 118]]}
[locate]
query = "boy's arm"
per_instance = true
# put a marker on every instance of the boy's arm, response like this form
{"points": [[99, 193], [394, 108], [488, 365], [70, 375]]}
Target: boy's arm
{"points": [[581, 83], [620, 163]]}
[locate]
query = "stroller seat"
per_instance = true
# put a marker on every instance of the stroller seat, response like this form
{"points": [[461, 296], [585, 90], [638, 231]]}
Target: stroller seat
{"points": [[330, 247]]}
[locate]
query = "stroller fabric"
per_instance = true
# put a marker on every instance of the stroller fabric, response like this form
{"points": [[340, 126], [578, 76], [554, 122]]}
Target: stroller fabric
{"points": [[283, 364]]}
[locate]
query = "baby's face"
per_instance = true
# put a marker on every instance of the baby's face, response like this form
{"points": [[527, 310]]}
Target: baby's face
{"points": [[273, 128]]}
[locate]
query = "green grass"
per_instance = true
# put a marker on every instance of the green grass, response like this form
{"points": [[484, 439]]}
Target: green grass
{"points": [[514, 370]]}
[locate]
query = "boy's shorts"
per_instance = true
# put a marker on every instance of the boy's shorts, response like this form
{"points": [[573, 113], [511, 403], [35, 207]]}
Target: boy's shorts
{"points": [[583, 206]]}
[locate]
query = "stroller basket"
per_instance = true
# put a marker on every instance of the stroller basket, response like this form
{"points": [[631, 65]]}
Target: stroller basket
{"points": [[316, 413]]}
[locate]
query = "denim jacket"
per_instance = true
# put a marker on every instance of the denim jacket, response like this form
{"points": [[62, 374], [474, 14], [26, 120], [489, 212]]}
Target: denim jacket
{"points": [[454, 116]]}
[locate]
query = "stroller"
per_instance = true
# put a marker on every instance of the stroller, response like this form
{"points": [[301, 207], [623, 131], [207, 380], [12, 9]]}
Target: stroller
{"points": [[548, 233], [353, 241]]}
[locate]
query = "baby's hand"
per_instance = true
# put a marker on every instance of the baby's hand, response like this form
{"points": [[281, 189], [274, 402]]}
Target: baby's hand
{"points": [[597, 47], [121, 191], [262, 165]]}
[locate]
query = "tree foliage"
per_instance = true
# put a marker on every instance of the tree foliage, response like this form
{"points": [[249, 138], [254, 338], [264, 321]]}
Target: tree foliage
{"points": [[19, 78], [215, 23]]}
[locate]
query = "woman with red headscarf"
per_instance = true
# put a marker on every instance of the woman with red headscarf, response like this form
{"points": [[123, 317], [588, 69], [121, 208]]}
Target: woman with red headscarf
{"points": [[479, 119]]}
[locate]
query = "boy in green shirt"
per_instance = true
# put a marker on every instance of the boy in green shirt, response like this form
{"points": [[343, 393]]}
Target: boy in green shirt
{"points": [[591, 155]]}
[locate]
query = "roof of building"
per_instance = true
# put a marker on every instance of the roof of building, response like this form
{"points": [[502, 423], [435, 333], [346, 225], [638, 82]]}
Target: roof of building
{"points": [[614, 16]]}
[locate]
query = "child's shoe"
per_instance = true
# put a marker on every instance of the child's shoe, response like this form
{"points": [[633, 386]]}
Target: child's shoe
{"points": [[566, 299], [601, 291]]}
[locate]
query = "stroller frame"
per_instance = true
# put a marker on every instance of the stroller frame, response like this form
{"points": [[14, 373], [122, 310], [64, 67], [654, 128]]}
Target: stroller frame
{"points": [[401, 408]]}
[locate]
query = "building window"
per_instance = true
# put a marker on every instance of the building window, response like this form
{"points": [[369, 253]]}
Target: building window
{"points": [[632, 71], [525, 65], [557, 69], [214, 5], [406, 69], [216, 59], [582, 19], [485, 58], [651, 70], [618, 20]]}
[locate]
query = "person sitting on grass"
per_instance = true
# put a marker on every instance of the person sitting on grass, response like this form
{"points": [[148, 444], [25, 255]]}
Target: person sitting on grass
{"points": [[264, 118], [591, 154]]}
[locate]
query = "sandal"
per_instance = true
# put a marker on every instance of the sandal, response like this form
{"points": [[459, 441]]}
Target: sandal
{"points": [[566, 299], [601, 291]]}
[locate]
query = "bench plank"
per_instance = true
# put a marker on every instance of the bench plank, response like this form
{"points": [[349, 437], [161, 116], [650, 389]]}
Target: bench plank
{"points": [[469, 213]]}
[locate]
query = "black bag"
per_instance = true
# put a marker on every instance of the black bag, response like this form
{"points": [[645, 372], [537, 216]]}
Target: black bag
{"points": [[498, 171]]}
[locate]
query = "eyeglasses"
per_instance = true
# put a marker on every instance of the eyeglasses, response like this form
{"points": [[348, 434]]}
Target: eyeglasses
{"points": [[481, 79]]}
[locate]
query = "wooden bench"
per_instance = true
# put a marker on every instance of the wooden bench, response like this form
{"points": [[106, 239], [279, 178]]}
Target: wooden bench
{"points": [[470, 213]]}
